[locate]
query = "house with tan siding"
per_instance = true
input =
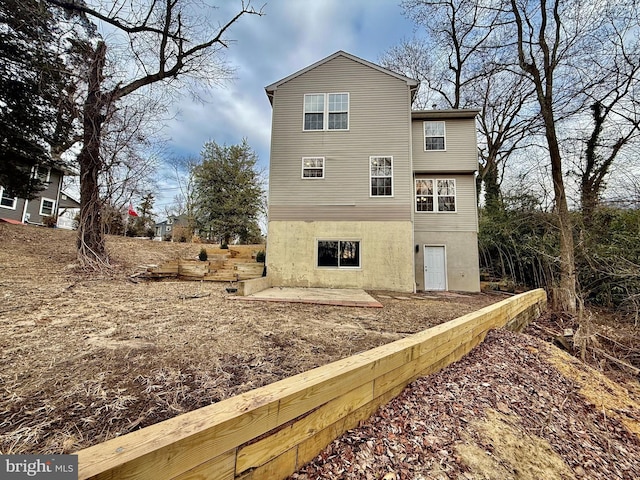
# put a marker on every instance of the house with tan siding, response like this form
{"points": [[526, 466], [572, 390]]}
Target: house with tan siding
{"points": [[363, 191]]}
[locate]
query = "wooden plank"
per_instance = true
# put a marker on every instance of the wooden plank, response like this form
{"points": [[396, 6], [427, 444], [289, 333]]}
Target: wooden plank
{"points": [[170, 448], [308, 449], [260, 452], [220, 468], [278, 468]]}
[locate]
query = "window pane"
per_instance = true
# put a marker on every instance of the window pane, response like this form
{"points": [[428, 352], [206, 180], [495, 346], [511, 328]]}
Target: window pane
{"points": [[314, 103], [349, 254], [338, 102], [434, 143], [312, 173], [327, 254], [446, 187], [424, 187], [446, 204], [338, 121], [313, 121], [424, 204], [434, 129], [381, 186]]}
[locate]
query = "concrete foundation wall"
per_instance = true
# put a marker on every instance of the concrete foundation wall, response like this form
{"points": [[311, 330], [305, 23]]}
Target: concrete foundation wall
{"points": [[461, 250], [386, 255]]}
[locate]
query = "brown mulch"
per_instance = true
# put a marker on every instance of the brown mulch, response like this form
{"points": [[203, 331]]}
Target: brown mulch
{"points": [[505, 411]]}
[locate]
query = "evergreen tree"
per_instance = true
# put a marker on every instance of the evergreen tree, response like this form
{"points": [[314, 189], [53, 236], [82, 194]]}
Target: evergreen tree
{"points": [[228, 190], [40, 47]]}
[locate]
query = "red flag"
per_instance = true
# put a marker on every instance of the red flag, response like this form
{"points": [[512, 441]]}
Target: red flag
{"points": [[132, 212]]}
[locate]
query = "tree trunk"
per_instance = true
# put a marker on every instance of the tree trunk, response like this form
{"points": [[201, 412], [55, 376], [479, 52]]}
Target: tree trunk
{"points": [[566, 294], [91, 246], [492, 197]]}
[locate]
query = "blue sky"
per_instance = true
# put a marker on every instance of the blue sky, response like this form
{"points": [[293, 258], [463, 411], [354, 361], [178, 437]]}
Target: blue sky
{"points": [[290, 36]]}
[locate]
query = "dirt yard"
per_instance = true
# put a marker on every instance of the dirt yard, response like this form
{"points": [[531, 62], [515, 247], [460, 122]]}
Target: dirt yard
{"points": [[84, 358]]}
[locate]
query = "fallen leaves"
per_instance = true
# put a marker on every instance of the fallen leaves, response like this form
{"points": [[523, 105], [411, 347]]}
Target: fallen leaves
{"points": [[502, 412]]}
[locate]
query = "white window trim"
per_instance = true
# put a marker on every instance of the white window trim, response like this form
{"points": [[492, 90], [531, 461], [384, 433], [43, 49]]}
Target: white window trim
{"points": [[359, 267], [325, 112], [435, 196], [370, 177], [36, 169], [424, 135], [314, 168], [53, 207], [15, 201]]}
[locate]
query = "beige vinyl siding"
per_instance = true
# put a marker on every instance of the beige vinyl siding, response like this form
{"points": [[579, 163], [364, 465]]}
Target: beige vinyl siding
{"points": [[379, 116], [465, 219], [338, 212], [461, 154]]}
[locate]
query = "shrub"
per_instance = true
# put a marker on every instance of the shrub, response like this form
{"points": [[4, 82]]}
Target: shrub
{"points": [[224, 246], [202, 256], [50, 221], [260, 256]]}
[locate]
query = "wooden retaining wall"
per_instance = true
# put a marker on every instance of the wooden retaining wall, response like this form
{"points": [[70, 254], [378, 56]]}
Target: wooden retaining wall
{"points": [[270, 432]]}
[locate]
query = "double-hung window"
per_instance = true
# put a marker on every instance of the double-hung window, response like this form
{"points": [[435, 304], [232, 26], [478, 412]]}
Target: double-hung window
{"points": [[434, 136], [381, 175], [6, 201], [339, 253], [435, 195], [312, 167], [47, 207], [326, 111], [314, 112]]}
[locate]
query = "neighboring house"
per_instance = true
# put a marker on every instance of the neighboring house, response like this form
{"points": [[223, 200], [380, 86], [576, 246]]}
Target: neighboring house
{"points": [[363, 191], [165, 229], [46, 204], [68, 210]]}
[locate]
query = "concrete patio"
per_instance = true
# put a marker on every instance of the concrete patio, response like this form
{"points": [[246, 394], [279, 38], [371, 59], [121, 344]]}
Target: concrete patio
{"points": [[345, 297]]}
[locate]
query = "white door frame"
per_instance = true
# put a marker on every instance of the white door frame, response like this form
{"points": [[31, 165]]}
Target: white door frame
{"points": [[444, 264]]}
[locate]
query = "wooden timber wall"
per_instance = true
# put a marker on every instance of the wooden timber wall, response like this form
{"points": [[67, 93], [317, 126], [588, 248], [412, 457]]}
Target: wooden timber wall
{"points": [[270, 432]]}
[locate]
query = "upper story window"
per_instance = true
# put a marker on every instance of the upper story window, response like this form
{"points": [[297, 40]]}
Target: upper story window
{"points": [[435, 195], [313, 167], [47, 207], [42, 173], [326, 111], [6, 201], [381, 174], [434, 136]]}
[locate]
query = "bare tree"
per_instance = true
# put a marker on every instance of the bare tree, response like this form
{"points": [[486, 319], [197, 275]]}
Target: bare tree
{"points": [[185, 202], [168, 41], [615, 105], [462, 62], [547, 38]]}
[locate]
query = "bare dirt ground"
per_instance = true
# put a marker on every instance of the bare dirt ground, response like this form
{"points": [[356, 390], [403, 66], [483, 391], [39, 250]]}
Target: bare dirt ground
{"points": [[84, 358]]}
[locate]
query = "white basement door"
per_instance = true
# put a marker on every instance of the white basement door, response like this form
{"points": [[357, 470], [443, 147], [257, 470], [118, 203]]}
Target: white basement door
{"points": [[435, 272]]}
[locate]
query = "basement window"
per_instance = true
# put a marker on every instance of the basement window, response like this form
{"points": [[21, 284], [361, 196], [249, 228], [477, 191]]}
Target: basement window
{"points": [[339, 253]]}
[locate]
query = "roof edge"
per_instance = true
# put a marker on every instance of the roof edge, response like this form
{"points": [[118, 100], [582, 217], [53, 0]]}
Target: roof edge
{"points": [[269, 89], [448, 113]]}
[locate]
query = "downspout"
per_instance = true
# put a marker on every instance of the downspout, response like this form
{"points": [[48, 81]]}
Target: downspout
{"points": [[24, 211], [58, 196]]}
